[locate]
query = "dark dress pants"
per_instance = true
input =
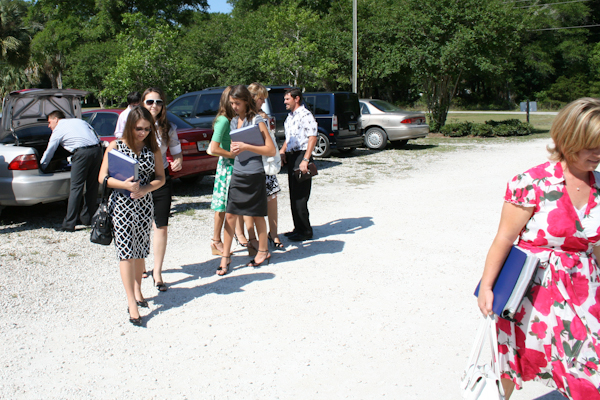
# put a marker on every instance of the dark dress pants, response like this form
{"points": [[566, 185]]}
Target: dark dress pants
{"points": [[85, 168], [299, 194]]}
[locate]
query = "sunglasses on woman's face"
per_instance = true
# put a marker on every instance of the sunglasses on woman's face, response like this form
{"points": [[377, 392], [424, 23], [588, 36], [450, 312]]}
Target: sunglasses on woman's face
{"points": [[149, 102]]}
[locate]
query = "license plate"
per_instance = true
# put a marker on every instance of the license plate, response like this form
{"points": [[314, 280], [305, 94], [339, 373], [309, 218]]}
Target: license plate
{"points": [[202, 145], [351, 127]]}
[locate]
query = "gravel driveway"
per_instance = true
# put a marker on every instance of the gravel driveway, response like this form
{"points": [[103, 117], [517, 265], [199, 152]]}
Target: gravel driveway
{"points": [[378, 305]]}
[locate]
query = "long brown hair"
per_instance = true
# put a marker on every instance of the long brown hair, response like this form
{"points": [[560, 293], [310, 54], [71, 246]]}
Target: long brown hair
{"points": [[241, 92], [163, 123], [137, 113], [225, 106]]}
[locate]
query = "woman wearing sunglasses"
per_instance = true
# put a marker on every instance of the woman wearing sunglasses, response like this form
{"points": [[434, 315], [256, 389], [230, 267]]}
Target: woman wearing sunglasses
{"points": [[154, 101]]}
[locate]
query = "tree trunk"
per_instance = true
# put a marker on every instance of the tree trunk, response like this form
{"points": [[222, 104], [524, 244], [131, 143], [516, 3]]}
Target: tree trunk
{"points": [[439, 92]]}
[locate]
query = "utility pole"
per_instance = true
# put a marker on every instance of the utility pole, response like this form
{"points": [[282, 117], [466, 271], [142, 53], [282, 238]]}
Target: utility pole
{"points": [[354, 48]]}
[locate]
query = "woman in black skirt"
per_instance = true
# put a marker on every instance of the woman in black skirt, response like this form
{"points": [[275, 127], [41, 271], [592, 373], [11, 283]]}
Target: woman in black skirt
{"points": [[247, 191]]}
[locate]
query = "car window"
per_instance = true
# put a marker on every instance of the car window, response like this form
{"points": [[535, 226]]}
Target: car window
{"points": [[277, 102], [104, 123], [384, 106], [364, 109], [323, 105], [208, 104], [87, 117], [179, 123], [309, 102], [183, 107]]}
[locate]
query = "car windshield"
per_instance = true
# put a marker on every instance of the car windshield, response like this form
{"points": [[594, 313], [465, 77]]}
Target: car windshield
{"points": [[179, 123], [384, 106]]}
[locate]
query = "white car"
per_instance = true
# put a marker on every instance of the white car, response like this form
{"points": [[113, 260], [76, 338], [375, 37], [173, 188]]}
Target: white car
{"points": [[382, 121], [24, 135]]}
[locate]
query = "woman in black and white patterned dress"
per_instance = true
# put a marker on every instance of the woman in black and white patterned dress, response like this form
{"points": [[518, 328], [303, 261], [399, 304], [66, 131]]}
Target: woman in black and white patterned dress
{"points": [[132, 213]]}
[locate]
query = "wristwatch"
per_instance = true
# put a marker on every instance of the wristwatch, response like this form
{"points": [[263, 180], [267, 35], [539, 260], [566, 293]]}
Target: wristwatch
{"points": [[305, 159]]}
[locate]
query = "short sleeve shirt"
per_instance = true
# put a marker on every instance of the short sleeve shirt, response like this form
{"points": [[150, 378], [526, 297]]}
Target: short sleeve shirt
{"points": [[171, 144], [221, 133], [253, 165], [299, 126]]}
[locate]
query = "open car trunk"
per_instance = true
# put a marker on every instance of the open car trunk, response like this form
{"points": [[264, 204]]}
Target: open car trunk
{"points": [[37, 137]]}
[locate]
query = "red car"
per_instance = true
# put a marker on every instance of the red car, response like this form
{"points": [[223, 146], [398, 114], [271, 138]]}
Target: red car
{"points": [[194, 142]]}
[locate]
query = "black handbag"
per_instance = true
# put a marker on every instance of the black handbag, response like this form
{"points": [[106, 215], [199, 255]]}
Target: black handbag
{"points": [[102, 227]]}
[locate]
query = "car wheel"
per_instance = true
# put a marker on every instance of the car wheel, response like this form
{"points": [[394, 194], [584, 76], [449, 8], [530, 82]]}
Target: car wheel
{"points": [[322, 148], [347, 150], [375, 138]]}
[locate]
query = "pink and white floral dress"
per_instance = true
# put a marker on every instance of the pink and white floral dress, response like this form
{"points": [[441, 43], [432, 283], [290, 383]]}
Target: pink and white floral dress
{"points": [[555, 339]]}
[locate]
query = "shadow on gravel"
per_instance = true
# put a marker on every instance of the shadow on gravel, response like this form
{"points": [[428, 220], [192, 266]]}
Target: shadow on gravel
{"points": [[176, 297], [416, 147], [554, 395], [33, 217], [341, 226]]}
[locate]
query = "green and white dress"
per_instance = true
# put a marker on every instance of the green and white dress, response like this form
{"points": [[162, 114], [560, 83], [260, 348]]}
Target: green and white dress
{"points": [[224, 166]]}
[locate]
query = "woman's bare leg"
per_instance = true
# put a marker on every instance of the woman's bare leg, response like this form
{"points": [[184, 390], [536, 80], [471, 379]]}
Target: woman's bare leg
{"points": [[263, 241], [230, 222], [128, 276], [508, 386], [218, 226], [160, 248], [272, 217]]}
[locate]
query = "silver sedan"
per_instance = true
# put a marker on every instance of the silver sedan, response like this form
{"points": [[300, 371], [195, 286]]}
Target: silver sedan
{"points": [[382, 121], [24, 135]]}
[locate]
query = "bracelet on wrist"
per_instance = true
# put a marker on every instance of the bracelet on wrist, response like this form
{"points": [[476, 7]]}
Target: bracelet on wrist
{"points": [[305, 159]]}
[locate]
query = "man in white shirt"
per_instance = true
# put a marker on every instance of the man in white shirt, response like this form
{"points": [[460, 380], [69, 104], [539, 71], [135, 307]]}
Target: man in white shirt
{"points": [[300, 140], [133, 99], [79, 138]]}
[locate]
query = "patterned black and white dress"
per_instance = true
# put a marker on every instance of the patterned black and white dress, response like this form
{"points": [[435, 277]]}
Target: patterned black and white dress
{"points": [[132, 218]]}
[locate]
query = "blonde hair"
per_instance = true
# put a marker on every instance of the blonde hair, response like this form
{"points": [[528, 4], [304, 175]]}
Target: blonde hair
{"points": [[575, 128], [256, 89]]}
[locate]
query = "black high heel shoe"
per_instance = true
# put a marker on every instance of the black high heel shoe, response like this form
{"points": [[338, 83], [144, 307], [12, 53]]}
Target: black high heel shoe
{"points": [[223, 270], [142, 303], [135, 321], [277, 245], [254, 264]]}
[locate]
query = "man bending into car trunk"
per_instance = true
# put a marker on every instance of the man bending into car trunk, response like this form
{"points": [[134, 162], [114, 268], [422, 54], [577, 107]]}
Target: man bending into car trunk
{"points": [[77, 137]]}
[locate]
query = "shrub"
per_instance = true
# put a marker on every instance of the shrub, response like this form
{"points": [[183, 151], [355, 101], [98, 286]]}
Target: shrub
{"points": [[482, 130], [509, 127], [457, 129]]}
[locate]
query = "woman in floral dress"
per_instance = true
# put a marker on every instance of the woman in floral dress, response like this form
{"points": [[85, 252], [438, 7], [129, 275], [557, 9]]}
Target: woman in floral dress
{"points": [[553, 211]]}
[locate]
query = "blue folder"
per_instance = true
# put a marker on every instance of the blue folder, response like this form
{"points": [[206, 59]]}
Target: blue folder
{"points": [[507, 280], [122, 167]]}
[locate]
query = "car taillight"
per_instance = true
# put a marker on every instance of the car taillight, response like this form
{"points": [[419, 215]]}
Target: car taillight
{"points": [[188, 148], [407, 121], [334, 123], [272, 123], [24, 162]]}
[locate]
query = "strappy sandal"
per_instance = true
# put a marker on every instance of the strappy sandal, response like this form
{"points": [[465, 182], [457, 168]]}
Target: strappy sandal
{"points": [[214, 248], [240, 243], [224, 270], [254, 264], [277, 245]]}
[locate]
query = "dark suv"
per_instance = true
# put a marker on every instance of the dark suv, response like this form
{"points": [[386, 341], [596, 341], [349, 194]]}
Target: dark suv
{"points": [[200, 108], [337, 114]]}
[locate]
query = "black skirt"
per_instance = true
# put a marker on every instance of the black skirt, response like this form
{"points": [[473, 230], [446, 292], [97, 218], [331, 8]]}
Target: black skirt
{"points": [[247, 195]]}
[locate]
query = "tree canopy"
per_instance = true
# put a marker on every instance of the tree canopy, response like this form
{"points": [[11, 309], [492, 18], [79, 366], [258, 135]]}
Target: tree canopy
{"points": [[433, 53]]}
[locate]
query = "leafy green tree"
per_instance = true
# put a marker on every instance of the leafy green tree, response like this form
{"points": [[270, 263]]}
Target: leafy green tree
{"points": [[88, 66], [149, 58], [442, 39], [203, 50]]}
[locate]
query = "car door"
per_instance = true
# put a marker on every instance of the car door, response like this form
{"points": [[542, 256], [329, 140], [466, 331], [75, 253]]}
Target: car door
{"points": [[207, 108], [365, 115]]}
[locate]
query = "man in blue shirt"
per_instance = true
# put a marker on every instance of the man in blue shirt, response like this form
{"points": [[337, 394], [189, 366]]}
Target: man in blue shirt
{"points": [[77, 137]]}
